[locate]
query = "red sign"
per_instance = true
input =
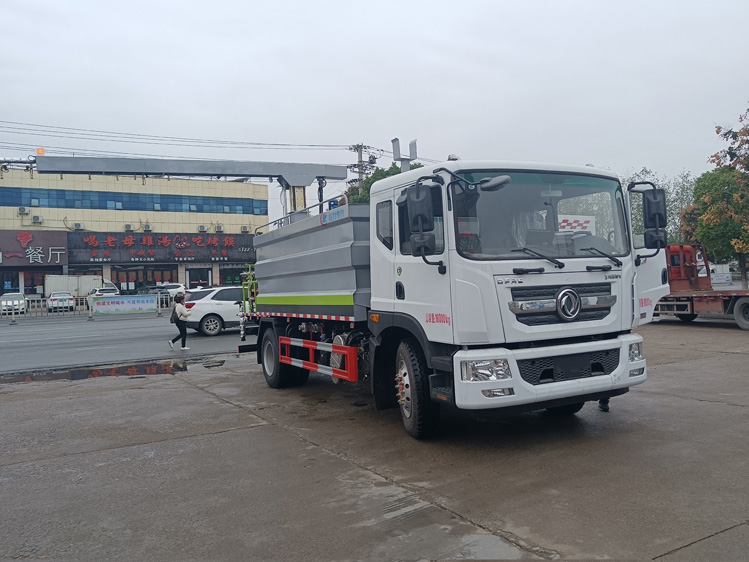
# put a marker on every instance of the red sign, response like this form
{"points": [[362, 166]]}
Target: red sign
{"points": [[33, 248]]}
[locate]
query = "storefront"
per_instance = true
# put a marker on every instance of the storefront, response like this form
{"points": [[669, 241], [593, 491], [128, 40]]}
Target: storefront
{"points": [[229, 274], [137, 260], [27, 256]]}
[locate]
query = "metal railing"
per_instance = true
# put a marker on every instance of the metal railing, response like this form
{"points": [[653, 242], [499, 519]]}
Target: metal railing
{"points": [[301, 213], [40, 307]]}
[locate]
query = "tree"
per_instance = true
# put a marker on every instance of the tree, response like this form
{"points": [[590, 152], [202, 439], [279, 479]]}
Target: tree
{"points": [[736, 207], [688, 220], [356, 196], [679, 195], [736, 156], [723, 224]]}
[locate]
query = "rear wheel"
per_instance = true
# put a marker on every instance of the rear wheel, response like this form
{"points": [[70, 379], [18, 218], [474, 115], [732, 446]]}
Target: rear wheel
{"points": [[741, 313], [566, 410], [686, 317], [277, 374], [211, 325], [420, 415]]}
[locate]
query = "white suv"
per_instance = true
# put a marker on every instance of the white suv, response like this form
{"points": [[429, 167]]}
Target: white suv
{"points": [[173, 288], [213, 309]]}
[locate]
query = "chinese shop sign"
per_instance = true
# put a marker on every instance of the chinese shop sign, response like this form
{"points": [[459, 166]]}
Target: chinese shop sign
{"points": [[118, 247], [33, 248]]}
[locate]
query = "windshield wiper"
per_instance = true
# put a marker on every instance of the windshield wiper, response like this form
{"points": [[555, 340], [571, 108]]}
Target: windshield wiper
{"points": [[604, 254], [557, 263]]}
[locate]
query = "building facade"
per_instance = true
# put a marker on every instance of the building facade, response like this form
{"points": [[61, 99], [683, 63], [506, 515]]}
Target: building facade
{"points": [[135, 231]]}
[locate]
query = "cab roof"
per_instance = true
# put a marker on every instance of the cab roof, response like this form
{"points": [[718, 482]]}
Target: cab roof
{"points": [[501, 165]]}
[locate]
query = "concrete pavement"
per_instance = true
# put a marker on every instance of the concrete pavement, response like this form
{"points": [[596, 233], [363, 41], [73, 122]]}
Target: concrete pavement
{"points": [[41, 344], [212, 464]]}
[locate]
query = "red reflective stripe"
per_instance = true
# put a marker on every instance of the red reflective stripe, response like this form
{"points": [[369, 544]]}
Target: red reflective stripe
{"points": [[351, 373]]}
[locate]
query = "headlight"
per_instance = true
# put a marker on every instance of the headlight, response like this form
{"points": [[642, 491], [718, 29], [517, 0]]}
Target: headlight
{"points": [[635, 352], [491, 370]]}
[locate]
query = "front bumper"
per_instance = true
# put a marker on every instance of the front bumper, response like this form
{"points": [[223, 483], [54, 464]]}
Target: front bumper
{"points": [[468, 395]]}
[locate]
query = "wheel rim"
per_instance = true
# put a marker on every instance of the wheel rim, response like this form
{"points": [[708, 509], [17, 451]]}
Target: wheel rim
{"points": [[269, 361], [403, 389], [212, 325], [745, 312]]}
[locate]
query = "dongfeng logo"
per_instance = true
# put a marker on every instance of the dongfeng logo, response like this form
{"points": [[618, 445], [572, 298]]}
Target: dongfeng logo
{"points": [[568, 304]]}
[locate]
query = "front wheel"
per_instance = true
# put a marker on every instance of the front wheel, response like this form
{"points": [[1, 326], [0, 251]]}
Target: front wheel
{"points": [[420, 415], [741, 313], [211, 325]]}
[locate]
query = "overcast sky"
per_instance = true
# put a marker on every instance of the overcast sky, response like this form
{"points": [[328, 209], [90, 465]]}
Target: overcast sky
{"points": [[622, 85]]}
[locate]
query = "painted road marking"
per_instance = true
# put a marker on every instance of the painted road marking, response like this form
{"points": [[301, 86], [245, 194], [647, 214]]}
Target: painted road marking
{"points": [[57, 338]]}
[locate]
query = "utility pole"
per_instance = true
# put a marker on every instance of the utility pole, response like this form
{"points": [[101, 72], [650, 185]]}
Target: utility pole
{"points": [[362, 166]]}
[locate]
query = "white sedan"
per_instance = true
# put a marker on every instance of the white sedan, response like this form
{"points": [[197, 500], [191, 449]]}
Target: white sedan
{"points": [[13, 303], [60, 300]]}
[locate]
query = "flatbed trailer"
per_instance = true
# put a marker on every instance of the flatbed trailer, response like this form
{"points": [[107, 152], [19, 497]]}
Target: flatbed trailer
{"points": [[693, 295]]}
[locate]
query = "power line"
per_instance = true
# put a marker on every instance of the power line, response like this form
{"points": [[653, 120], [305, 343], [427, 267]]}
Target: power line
{"points": [[95, 134]]}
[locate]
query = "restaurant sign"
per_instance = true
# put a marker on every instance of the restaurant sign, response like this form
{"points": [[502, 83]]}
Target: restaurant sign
{"points": [[33, 248], [127, 247]]}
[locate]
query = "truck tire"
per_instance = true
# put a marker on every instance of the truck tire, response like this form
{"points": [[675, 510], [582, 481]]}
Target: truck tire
{"points": [[420, 415], [741, 313], [686, 317], [566, 410], [277, 374]]}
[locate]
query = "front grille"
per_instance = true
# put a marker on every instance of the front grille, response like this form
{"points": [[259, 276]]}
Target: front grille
{"points": [[535, 306], [546, 370], [533, 293], [541, 319]]}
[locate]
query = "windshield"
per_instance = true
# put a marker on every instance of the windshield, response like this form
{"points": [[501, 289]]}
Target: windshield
{"points": [[558, 215]]}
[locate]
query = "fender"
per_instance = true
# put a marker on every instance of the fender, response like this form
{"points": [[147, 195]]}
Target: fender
{"points": [[438, 355]]}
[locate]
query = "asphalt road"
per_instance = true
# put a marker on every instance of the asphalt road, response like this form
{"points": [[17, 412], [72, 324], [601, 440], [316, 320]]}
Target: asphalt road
{"points": [[44, 343], [211, 464]]}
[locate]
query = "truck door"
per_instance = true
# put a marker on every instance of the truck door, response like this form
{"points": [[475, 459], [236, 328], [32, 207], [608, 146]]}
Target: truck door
{"points": [[650, 277], [420, 290]]}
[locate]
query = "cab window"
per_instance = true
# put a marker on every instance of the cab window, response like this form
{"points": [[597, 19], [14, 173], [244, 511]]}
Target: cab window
{"points": [[385, 223]]}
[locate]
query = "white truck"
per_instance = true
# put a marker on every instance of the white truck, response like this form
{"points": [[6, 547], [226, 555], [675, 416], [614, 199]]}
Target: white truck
{"points": [[77, 285], [463, 284]]}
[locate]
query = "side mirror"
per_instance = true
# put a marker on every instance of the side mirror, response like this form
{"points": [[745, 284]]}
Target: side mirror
{"points": [[655, 239], [420, 210], [423, 244], [654, 208]]}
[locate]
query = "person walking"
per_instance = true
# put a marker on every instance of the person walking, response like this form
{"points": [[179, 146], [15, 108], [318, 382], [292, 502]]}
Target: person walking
{"points": [[182, 313]]}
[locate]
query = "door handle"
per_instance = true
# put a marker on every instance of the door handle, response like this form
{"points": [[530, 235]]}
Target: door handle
{"points": [[400, 291]]}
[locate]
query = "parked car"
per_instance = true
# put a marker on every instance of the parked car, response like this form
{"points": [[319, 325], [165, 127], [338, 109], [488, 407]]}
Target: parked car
{"points": [[101, 292], [104, 292], [173, 288], [13, 303], [213, 309], [60, 300], [163, 296]]}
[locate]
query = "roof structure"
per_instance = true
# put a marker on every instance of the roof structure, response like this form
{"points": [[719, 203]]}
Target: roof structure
{"points": [[287, 173]]}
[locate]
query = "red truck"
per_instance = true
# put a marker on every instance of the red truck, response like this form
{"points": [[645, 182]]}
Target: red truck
{"points": [[692, 295]]}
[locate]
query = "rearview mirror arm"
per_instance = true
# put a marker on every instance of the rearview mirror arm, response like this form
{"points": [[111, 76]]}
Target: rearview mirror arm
{"points": [[441, 268]]}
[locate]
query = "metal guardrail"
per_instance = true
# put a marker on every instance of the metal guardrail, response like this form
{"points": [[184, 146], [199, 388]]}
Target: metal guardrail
{"points": [[39, 308]]}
